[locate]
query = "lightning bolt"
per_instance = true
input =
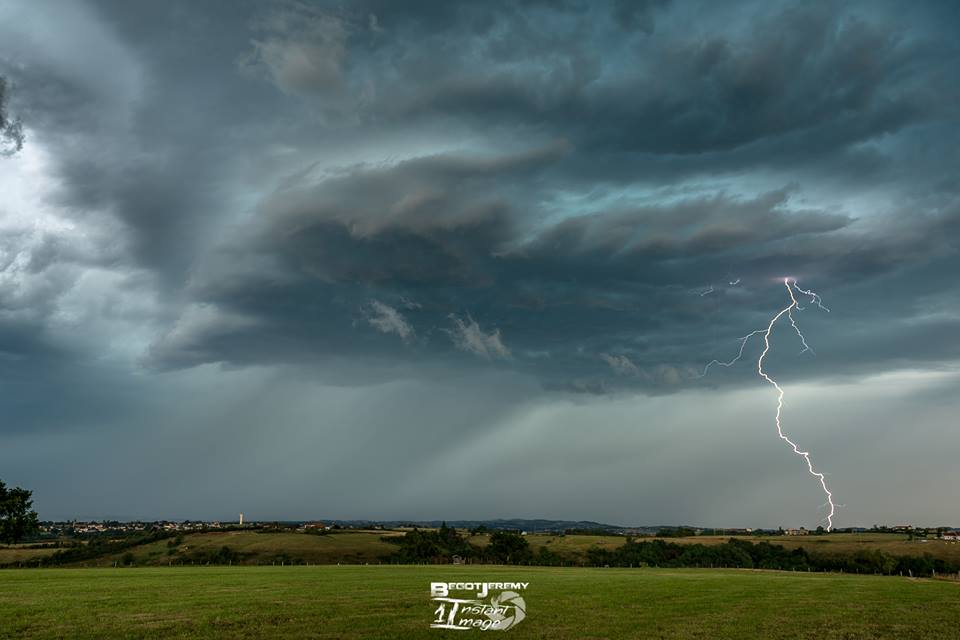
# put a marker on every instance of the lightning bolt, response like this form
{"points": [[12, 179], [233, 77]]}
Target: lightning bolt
{"points": [[814, 298], [786, 311], [730, 363], [793, 323]]}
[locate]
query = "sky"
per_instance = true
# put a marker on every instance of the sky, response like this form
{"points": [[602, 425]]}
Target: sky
{"points": [[460, 260]]}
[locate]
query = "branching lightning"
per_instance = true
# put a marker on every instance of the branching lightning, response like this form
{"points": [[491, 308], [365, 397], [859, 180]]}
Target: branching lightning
{"points": [[743, 343], [791, 285], [793, 323], [814, 298]]}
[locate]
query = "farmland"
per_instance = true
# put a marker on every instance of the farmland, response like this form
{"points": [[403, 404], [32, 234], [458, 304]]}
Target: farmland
{"points": [[833, 544], [393, 602], [372, 546]]}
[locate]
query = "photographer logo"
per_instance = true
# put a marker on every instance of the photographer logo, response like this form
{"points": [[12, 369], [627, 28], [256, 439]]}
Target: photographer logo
{"points": [[486, 606]]}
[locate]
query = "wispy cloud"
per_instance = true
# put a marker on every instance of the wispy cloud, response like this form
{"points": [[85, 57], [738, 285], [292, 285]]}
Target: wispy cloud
{"points": [[386, 319], [468, 336]]}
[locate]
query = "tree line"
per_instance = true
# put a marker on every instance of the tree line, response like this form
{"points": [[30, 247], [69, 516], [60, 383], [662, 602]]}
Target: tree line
{"points": [[763, 555], [506, 547]]}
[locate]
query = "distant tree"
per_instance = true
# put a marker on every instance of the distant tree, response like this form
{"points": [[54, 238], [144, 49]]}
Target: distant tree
{"points": [[547, 557], [420, 546], [820, 530], [17, 518], [449, 537], [508, 547], [11, 130]]}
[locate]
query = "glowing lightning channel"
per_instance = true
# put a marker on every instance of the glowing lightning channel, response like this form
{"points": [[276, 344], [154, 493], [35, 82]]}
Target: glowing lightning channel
{"points": [[793, 323], [743, 343], [814, 298], [788, 311], [763, 374]]}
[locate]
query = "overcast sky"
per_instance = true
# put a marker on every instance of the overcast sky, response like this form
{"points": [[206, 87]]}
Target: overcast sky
{"points": [[379, 259]]}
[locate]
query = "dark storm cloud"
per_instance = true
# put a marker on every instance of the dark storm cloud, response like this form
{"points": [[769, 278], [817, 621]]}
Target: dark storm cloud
{"points": [[121, 102], [807, 78], [422, 234], [11, 128], [633, 155], [562, 298]]}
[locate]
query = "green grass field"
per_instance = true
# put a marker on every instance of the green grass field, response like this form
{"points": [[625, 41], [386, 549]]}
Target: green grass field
{"points": [[19, 554], [393, 602], [354, 547]]}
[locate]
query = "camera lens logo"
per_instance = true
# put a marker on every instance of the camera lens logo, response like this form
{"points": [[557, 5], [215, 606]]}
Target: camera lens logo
{"points": [[508, 601]]}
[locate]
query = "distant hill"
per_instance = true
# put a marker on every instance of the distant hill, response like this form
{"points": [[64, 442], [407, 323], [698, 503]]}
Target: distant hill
{"points": [[517, 524]]}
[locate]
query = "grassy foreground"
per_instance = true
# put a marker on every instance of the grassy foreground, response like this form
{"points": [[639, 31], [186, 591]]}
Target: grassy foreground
{"points": [[393, 602]]}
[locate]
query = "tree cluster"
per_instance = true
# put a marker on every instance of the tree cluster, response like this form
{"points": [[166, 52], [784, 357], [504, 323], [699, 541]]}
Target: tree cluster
{"points": [[17, 517], [440, 546]]}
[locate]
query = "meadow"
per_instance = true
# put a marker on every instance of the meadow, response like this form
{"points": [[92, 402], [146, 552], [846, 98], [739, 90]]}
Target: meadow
{"points": [[374, 601], [832, 544]]}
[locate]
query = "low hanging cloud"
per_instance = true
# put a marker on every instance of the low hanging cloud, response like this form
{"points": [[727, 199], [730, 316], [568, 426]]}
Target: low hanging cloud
{"points": [[468, 336], [386, 319], [189, 339]]}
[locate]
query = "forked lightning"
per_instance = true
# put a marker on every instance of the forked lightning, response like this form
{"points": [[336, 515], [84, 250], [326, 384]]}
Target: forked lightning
{"points": [[791, 285]]}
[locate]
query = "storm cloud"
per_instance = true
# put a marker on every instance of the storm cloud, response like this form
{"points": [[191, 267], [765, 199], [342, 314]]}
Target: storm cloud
{"points": [[544, 208]]}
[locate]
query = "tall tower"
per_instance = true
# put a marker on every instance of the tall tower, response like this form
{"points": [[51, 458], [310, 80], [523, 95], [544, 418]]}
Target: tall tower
{"points": [[241, 519]]}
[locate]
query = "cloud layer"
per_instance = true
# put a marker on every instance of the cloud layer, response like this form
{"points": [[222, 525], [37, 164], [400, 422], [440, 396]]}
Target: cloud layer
{"points": [[593, 198]]}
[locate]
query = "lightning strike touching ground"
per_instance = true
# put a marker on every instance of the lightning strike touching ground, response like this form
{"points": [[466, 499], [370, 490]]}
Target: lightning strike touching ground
{"points": [[788, 311]]}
